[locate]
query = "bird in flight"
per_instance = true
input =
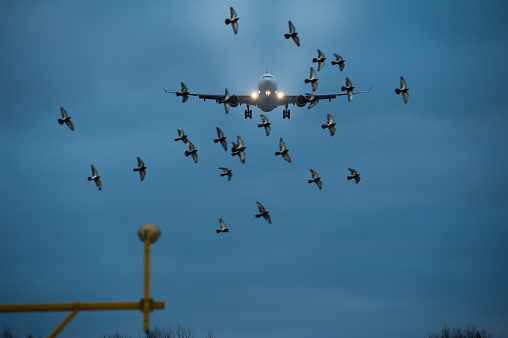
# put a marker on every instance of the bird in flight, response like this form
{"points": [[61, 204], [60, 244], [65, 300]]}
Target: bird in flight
{"points": [[192, 151], [226, 172], [349, 88], [184, 93], [293, 34], [403, 89], [65, 119], [283, 151], [320, 60], [238, 149], [263, 213], [265, 124], [221, 138], [222, 227], [316, 179], [330, 125], [141, 168], [340, 61], [354, 175], [182, 136], [233, 21], [95, 177], [312, 79]]}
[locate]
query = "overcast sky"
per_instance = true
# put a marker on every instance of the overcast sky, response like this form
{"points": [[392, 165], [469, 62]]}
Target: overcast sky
{"points": [[420, 242]]}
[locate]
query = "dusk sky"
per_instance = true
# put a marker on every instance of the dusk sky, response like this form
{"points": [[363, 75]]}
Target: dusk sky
{"points": [[420, 242]]}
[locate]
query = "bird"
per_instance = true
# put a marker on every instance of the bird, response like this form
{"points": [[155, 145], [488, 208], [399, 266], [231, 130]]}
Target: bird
{"points": [[238, 149], [354, 175], [320, 59], [312, 79], [182, 136], [316, 179], [221, 138], [233, 21], [65, 119], [226, 101], [403, 89], [263, 213], [184, 93], [95, 177], [222, 224], [192, 151], [349, 87], [226, 172], [340, 61], [330, 125], [293, 34], [283, 151], [312, 99], [141, 168], [265, 124]]}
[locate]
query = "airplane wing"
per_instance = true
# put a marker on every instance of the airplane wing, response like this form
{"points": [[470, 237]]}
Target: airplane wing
{"points": [[219, 98], [292, 99]]}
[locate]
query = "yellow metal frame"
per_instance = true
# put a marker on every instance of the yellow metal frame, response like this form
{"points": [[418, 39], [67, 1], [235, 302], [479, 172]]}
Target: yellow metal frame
{"points": [[146, 304]]}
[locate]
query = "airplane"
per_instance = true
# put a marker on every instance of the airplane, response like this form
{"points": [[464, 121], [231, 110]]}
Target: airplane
{"points": [[267, 98]]}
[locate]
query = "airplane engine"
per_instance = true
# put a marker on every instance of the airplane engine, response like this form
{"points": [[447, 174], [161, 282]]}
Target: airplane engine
{"points": [[234, 100], [301, 101]]}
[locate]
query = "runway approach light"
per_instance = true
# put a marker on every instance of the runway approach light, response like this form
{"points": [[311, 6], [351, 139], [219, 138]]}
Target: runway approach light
{"points": [[148, 234]]}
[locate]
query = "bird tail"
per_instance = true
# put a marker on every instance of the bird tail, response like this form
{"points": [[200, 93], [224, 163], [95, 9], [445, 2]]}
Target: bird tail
{"points": [[310, 181], [334, 62], [216, 140], [228, 21], [187, 153], [349, 178], [324, 126], [223, 175], [260, 125], [89, 178], [60, 121], [277, 153], [218, 230], [398, 91], [257, 216], [307, 80], [343, 88], [287, 36], [135, 169], [315, 60]]}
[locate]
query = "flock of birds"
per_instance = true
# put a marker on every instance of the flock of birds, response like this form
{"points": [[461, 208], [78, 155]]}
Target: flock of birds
{"points": [[238, 147]]}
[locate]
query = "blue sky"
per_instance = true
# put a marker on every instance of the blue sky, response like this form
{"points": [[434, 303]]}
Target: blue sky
{"points": [[420, 242]]}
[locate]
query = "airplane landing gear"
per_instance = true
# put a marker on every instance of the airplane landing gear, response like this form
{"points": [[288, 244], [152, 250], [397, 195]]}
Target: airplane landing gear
{"points": [[248, 113], [286, 113]]}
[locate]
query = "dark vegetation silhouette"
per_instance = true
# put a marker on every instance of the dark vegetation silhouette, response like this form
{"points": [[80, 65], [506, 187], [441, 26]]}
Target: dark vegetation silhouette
{"points": [[456, 332]]}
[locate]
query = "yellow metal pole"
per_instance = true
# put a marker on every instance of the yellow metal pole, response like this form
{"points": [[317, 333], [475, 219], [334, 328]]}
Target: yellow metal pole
{"points": [[65, 322], [146, 294]]}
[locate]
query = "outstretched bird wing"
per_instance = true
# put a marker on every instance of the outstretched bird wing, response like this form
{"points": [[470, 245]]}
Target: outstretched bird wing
{"points": [[140, 163], [403, 84], [94, 171], [63, 112], [282, 145], [353, 172], [261, 208]]}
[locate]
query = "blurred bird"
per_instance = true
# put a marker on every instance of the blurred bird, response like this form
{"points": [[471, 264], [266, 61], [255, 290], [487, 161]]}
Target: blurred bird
{"points": [[226, 101], [320, 59], [354, 175], [226, 172], [403, 89], [233, 21], [182, 136], [340, 61], [192, 151], [184, 93], [222, 224], [238, 149], [141, 168], [95, 177], [316, 179], [221, 138], [330, 125], [293, 34], [65, 119], [283, 151], [312, 99], [265, 124], [349, 87], [263, 213], [312, 79]]}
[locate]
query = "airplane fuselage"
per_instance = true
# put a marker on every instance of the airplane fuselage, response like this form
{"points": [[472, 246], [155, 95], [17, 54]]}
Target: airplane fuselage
{"points": [[267, 97]]}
